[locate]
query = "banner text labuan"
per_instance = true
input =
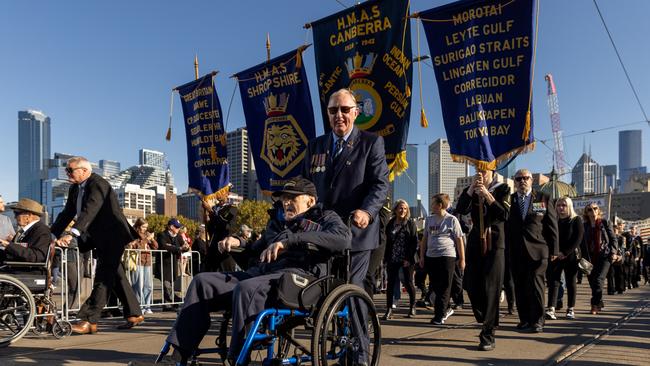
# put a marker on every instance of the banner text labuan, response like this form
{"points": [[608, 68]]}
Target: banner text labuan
{"points": [[482, 52]]}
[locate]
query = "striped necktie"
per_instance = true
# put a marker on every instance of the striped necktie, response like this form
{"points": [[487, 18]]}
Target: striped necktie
{"points": [[19, 236], [522, 206]]}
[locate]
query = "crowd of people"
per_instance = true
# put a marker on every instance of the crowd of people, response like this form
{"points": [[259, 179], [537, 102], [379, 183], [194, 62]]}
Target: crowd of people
{"points": [[493, 242]]}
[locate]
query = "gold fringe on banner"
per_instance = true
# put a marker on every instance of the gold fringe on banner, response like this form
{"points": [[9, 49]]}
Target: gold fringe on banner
{"points": [[398, 166], [423, 119], [221, 195], [492, 165]]}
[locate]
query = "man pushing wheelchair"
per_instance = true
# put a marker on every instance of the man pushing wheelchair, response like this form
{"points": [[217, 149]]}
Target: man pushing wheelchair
{"points": [[285, 247]]}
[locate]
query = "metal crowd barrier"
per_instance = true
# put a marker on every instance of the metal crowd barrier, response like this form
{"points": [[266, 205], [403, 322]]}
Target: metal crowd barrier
{"points": [[178, 279]]}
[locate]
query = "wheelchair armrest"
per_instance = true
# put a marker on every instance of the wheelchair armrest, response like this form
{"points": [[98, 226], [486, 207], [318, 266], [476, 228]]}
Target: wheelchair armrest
{"points": [[25, 264]]}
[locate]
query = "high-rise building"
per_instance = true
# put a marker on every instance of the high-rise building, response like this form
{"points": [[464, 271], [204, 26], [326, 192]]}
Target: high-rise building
{"points": [[189, 205], [629, 156], [240, 161], [34, 144], [109, 167], [508, 171], [144, 176], [152, 158], [443, 171], [166, 201], [405, 186], [611, 179], [136, 202], [588, 176]]}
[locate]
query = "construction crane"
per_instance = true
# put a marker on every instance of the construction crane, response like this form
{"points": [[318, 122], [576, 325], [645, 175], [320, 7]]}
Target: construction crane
{"points": [[560, 165]]}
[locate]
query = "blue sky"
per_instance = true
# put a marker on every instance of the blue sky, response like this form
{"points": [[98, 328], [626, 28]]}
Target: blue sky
{"points": [[103, 72]]}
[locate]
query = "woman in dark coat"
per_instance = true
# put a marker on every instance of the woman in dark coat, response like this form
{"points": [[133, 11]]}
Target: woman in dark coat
{"points": [[571, 232], [599, 246], [401, 244]]}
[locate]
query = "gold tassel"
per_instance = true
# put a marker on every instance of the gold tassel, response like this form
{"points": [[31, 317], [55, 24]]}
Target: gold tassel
{"points": [[168, 137], [526, 133], [299, 58], [423, 119], [408, 91], [398, 166], [213, 152]]}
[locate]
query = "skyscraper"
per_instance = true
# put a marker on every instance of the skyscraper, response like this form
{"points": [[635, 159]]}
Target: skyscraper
{"points": [[629, 156], [239, 161], [405, 185], [33, 148], [152, 158], [443, 171], [588, 176], [109, 167]]}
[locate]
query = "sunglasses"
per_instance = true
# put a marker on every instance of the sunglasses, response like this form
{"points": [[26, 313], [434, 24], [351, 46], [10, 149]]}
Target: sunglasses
{"points": [[71, 170], [594, 209], [344, 109], [519, 179]]}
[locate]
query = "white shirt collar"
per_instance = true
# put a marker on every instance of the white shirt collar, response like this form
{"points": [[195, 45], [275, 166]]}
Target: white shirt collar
{"points": [[28, 226]]}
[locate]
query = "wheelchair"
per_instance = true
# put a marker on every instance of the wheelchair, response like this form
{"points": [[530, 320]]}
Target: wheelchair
{"points": [[322, 333], [27, 301]]}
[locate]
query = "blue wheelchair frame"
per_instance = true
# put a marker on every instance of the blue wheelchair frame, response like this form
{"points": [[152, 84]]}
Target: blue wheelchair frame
{"points": [[264, 332]]}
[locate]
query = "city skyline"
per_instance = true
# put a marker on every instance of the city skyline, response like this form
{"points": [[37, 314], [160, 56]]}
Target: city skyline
{"points": [[103, 74]]}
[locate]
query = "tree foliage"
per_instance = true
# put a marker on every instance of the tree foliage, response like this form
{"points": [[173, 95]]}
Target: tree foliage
{"points": [[254, 214]]}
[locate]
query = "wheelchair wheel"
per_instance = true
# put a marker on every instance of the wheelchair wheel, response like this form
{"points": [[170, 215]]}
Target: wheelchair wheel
{"points": [[336, 338], [61, 329], [17, 310]]}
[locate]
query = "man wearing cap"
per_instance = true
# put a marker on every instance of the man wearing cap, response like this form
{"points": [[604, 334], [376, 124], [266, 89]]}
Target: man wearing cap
{"points": [[100, 225], [172, 242], [32, 240], [348, 167], [282, 248]]}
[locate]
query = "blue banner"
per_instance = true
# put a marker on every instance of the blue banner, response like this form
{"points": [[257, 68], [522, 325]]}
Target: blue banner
{"points": [[279, 117], [367, 48], [481, 52], [207, 163]]}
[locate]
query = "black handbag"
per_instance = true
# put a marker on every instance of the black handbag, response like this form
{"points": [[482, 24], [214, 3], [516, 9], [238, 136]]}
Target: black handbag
{"points": [[298, 291]]}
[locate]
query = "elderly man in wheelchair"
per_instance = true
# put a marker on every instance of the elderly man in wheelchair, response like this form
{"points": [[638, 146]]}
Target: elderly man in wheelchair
{"points": [[23, 267], [299, 240]]}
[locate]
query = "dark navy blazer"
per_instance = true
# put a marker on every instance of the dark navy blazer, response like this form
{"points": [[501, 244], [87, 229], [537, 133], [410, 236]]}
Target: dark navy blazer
{"points": [[358, 180]]}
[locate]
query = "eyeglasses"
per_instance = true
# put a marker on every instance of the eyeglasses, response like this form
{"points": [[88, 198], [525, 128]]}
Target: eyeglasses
{"points": [[343, 108], [519, 179], [594, 209], [69, 171]]}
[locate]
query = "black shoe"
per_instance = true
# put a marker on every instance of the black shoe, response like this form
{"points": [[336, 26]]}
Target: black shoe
{"points": [[537, 328], [486, 346], [523, 325], [511, 311], [388, 315], [412, 312]]}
